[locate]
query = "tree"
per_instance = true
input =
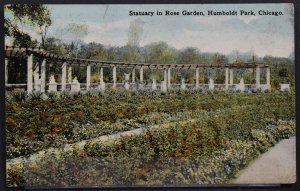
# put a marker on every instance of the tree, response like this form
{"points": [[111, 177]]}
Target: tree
{"points": [[189, 55], [55, 46], [267, 59], [283, 73], [134, 38], [43, 28], [135, 32], [23, 39], [75, 34], [160, 52], [219, 58], [17, 16], [130, 56], [73, 37], [168, 56]]}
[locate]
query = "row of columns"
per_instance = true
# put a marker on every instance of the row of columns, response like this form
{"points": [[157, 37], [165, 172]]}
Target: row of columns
{"points": [[40, 78], [257, 76]]}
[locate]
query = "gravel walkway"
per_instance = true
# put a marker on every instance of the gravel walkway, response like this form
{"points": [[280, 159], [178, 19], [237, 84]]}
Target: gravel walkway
{"points": [[277, 166]]}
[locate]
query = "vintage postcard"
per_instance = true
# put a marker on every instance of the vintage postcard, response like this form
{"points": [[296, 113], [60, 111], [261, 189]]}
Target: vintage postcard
{"points": [[149, 95]]}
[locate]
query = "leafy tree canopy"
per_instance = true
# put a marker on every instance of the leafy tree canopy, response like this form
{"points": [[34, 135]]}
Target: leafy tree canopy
{"points": [[34, 15]]}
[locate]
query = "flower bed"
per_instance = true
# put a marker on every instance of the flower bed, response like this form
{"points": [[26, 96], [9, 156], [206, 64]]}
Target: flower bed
{"points": [[40, 121], [211, 146], [153, 162]]}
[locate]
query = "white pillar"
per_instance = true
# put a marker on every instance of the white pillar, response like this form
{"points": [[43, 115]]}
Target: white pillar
{"points": [[226, 78], [257, 76], [64, 76], [6, 70], [169, 78], [211, 84], [183, 86], [70, 74], [154, 86], [165, 75], [133, 75], [36, 78], [231, 76], [43, 75], [101, 75], [102, 84], [268, 77], [88, 76], [197, 78], [141, 75], [114, 77], [29, 73]]}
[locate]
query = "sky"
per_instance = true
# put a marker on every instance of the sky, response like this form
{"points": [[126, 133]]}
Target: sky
{"points": [[109, 25]]}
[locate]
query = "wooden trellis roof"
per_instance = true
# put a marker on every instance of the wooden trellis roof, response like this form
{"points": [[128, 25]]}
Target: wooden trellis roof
{"points": [[16, 52]]}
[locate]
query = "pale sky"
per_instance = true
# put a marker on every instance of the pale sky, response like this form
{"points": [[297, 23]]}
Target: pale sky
{"points": [[264, 34]]}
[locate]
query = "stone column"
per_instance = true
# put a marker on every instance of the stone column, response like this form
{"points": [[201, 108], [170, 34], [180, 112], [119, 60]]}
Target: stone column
{"points": [[165, 75], [226, 78], [133, 75], [114, 77], [268, 77], [183, 86], [36, 77], [64, 76], [257, 76], [88, 76], [70, 74], [43, 75], [29, 73], [102, 84], [6, 70], [154, 86], [169, 78], [101, 75], [141, 75], [211, 84], [231, 76], [197, 78]]}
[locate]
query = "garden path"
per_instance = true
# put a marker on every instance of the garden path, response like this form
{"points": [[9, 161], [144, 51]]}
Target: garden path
{"points": [[278, 165]]}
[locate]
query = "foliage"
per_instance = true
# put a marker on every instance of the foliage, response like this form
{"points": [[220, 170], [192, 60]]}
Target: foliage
{"points": [[35, 15], [135, 32], [201, 138], [189, 55], [65, 117], [159, 52], [134, 160]]}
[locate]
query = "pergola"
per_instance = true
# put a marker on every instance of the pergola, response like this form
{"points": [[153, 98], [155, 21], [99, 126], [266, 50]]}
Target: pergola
{"points": [[36, 78]]}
